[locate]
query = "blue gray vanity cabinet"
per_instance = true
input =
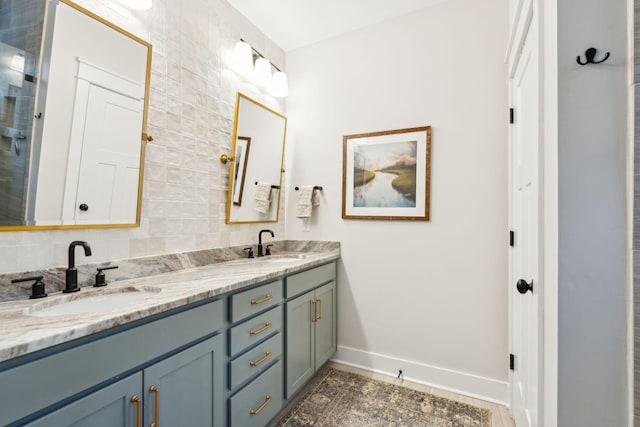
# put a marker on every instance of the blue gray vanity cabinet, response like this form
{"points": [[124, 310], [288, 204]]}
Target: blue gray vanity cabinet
{"points": [[310, 324], [178, 352], [184, 389]]}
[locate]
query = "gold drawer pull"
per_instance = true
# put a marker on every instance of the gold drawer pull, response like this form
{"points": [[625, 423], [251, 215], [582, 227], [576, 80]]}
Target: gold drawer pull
{"points": [[261, 330], [320, 310], [266, 402], [156, 391], [260, 301], [315, 310], [265, 357], [135, 399]]}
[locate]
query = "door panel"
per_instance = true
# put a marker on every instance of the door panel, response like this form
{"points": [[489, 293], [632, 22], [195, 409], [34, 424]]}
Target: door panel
{"points": [[325, 326], [110, 165], [300, 339], [108, 407], [524, 195], [188, 386]]}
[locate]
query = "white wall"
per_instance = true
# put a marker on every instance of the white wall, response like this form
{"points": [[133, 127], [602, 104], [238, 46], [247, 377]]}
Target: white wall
{"points": [[191, 115], [592, 209], [426, 297]]}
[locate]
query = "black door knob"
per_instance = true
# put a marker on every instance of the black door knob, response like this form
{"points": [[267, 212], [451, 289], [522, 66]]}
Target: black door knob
{"points": [[84, 207], [523, 286]]}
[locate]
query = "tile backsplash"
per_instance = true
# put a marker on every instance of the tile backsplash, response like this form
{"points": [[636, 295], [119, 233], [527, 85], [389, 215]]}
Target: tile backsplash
{"points": [[129, 268], [191, 112]]}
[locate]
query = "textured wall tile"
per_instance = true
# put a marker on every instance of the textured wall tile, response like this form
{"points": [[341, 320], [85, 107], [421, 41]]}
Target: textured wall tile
{"points": [[191, 109]]}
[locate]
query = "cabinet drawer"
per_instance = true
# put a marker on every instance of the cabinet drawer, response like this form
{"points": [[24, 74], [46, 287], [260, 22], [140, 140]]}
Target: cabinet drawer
{"points": [[254, 361], [248, 303], [302, 282], [254, 330], [257, 403]]}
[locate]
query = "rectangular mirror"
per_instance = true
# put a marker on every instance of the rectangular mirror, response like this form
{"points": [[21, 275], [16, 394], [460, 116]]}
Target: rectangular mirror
{"points": [[72, 120], [257, 152]]}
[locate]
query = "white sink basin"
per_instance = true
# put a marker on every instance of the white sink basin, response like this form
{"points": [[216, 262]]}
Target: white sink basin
{"points": [[285, 257], [91, 301]]}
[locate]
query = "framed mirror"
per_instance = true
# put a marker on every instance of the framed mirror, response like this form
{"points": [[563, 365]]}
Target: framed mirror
{"points": [[257, 154], [73, 121]]}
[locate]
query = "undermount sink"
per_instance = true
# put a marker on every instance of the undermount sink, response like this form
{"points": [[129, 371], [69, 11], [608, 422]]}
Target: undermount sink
{"points": [[91, 301], [286, 257]]}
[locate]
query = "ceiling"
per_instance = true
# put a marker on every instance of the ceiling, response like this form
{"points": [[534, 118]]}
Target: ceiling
{"points": [[292, 24]]}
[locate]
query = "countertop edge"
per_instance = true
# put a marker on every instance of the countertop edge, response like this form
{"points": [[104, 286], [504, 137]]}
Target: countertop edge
{"points": [[31, 334]]}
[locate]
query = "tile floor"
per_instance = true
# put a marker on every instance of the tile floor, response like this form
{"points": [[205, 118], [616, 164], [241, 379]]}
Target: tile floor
{"points": [[499, 414]]}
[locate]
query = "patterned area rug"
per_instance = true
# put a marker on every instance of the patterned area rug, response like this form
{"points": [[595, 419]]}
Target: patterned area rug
{"points": [[342, 398]]}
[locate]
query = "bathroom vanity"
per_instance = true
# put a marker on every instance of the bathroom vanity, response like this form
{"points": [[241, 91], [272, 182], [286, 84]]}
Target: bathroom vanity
{"points": [[221, 345]]}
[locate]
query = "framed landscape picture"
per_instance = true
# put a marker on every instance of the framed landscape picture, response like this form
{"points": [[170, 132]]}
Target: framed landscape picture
{"points": [[386, 175]]}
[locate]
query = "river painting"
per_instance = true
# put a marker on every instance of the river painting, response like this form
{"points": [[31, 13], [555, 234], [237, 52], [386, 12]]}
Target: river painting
{"points": [[384, 175]]}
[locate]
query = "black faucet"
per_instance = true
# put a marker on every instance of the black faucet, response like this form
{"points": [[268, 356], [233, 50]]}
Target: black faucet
{"points": [[71, 280], [260, 252]]}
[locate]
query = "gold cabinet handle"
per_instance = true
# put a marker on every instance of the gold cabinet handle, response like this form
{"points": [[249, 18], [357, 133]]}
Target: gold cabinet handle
{"points": [[265, 357], [315, 311], [156, 391], [260, 301], [261, 330], [135, 399], [320, 310], [261, 407]]}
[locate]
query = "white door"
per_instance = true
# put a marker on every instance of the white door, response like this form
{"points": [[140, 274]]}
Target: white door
{"points": [[524, 196], [110, 164]]}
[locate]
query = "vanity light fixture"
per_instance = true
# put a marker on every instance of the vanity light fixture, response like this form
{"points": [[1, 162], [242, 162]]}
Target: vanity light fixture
{"points": [[260, 73]]}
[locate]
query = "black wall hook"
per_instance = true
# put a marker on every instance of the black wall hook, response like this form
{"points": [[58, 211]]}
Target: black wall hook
{"points": [[590, 55]]}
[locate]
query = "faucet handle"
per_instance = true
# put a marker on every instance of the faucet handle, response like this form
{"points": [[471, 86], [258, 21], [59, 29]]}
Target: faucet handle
{"points": [[37, 289], [101, 279], [249, 252], [267, 250]]}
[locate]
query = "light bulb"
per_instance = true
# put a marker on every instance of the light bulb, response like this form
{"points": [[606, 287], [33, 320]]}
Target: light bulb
{"points": [[242, 58], [262, 72], [279, 85]]}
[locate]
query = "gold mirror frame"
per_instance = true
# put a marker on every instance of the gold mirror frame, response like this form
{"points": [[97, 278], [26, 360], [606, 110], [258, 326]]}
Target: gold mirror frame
{"points": [[144, 137], [255, 141]]}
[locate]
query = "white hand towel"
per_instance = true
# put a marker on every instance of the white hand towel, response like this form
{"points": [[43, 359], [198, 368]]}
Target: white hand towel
{"points": [[315, 199], [263, 197], [305, 202]]}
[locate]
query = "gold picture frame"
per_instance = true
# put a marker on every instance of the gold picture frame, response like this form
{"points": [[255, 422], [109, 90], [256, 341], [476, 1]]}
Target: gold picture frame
{"points": [[387, 175], [241, 158]]}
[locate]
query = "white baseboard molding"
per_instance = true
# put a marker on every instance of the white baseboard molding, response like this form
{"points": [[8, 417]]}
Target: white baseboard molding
{"points": [[446, 379]]}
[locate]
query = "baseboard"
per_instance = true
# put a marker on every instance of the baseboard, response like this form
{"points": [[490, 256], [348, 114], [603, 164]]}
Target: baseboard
{"points": [[446, 379]]}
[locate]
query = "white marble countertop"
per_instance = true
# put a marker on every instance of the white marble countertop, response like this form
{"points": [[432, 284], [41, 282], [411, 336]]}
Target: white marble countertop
{"points": [[22, 332]]}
